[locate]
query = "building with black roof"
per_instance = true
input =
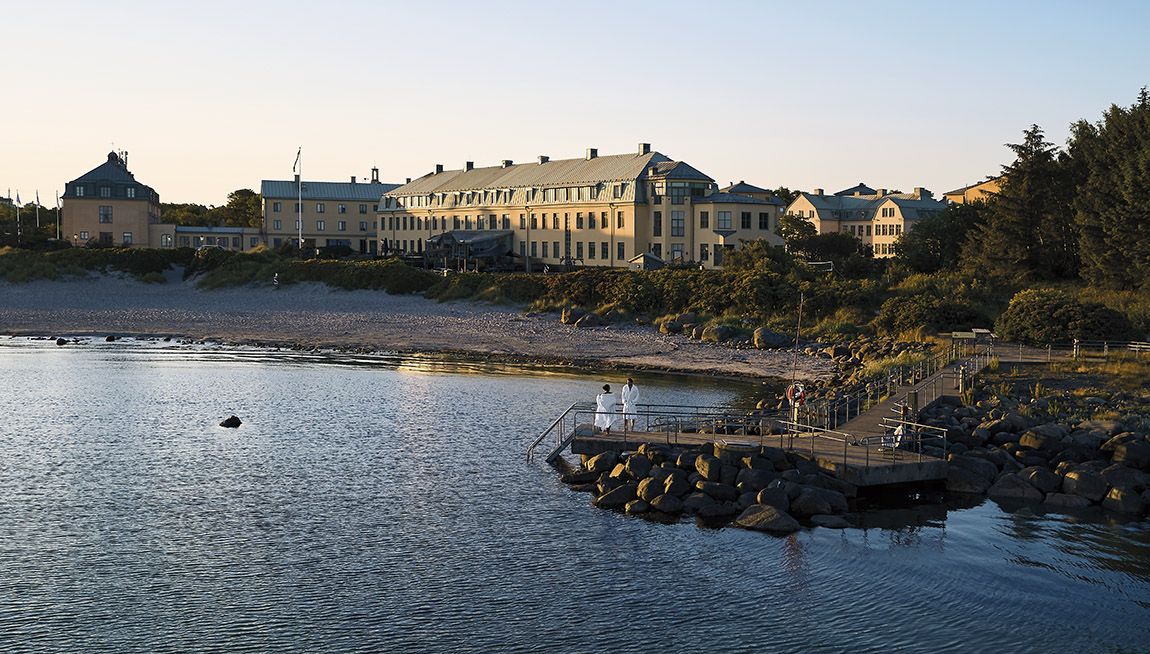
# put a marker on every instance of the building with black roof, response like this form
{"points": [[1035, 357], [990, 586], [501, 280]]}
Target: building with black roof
{"points": [[107, 205]]}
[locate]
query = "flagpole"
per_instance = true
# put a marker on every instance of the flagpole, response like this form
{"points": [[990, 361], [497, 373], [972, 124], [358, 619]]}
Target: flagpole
{"points": [[299, 202], [57, 215], [37, 210], [19, 231]]}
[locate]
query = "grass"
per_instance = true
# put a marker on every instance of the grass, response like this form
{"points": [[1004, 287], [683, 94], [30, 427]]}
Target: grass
{"points": [[881, 367]]}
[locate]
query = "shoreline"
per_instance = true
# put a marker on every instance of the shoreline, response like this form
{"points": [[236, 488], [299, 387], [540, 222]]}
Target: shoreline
{"points": [[312, 316]]}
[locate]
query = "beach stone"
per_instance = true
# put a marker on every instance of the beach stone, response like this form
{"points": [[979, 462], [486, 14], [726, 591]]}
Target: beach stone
{"points": [[776, 497], [1087, 439], [231, 422], [829, 521], [1012, 487], [721, 492], [1085, 483], [686, 461], [61, 342], [588, 320], [746, 499], [677, 485], [585, 488], [1064, 501], [1124, 500], [766, 337], [661, 472], [671, 327], [959, 480], [688, 318], [1042, 479], [667, 504], [1108, 427], [607, 483], [727, 474], [620, 472], [603, 462], [974, 465], [616, 498], [717, 333], [571, 315], [814, 501], [755, 480], [636, 507], [717, 510], [696, 501], [584, 477], [649, 489], [757, 463], [638, 466], [1119, 476], [1134, 454], [760, 517], [709, 467], [1041, 441], [109, 338]]}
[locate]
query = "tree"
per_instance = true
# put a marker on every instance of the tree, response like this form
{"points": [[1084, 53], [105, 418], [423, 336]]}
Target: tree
{"points": [[245, 208], [795, 231], [1112, 209], [786, 195], [935, 243], [1029, 230]]}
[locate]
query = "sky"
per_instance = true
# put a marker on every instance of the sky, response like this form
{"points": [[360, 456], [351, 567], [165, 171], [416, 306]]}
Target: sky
{"points": [[208, 97]]}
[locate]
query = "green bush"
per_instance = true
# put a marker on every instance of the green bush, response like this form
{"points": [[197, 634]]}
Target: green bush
{"points": [[908, 313], [1040, 317]]}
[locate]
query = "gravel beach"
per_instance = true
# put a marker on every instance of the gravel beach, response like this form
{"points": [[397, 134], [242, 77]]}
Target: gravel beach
{"points": [[311, 314]]}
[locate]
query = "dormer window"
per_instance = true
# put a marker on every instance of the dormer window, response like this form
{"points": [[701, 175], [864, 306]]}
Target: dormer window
{"points": [[131, 190], [105, 191]]}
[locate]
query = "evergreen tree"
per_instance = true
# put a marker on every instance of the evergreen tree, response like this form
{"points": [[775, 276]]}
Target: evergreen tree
{"points": [[1113, 207], [1029, 231], [935, 243]]}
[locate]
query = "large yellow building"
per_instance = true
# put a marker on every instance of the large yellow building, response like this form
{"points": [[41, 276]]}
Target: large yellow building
{"points": [[107, 205], [333, 213], [595, 211], [877, 219]]}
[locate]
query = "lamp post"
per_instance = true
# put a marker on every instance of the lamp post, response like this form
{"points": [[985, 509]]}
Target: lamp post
{"points": [[526, 243]]}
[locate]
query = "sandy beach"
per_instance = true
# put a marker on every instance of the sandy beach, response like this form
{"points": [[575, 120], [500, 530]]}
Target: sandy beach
{"points": [[311, 314]]}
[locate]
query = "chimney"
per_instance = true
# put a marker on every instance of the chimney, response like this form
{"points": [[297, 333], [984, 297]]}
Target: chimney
{"points": [[438, 168], [470, 165], [881, 192], [353, 179], [651, 171], [544, 158], [921, 193], [506, 163], [408, 181], [644, 148], [817, 191], [592, 153], [374, 175]]}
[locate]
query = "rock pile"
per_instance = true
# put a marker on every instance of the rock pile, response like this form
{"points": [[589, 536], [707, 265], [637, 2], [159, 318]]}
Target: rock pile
{"points": [[766, 490]]}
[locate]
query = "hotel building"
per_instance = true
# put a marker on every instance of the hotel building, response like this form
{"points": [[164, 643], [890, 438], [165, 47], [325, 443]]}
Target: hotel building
{"points": [[333, 213], [107, 205], [875, 217]]}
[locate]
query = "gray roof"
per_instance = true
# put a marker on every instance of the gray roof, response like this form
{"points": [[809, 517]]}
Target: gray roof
{"points": [[743, 187], [562, 172], [861, 189], [331, 191], [210, 230], [850, 206], [113, 171], [678, 170], [718, 197]]}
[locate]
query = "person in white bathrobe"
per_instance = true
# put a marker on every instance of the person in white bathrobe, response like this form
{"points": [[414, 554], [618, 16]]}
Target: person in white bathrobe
{"points": [[605, 409], [630, 397]]}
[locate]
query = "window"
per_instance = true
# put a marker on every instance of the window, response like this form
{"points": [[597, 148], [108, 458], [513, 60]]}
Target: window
{"points": [[79, 191], [745, 220], [276, 206], [363, 225], [718, 254], [185, 241], [276, 242], [534, 248], [277, 224], [522, 221], [534, 222], [165, 240], [657, 224], [705, 220], [764, 221], [555, 248], [591, 220], [319, 207], [704, 254], [253, 241], [479, 221], [105, 191], [897, 230], [657, 249], [579, 250], [235, 241], [127, 238], [341, 208], [676, 251], [106, 237], [455, 222], [506, 221], [105, 214], [363, 208], [131, 190], [467, 222], [622, 252], [555, 224], [722, 221], [605, 249], [522, 249], [211, 240], [545, 248], [579, 220], [341, 225], [321, 225], [677, 221], [591, 250], [618, 191], [619, 221], [868, 230], [298, 225]]}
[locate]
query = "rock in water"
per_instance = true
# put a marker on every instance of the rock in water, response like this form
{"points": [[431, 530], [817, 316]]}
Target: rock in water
{"points": [[60, 341], [232, 422]]}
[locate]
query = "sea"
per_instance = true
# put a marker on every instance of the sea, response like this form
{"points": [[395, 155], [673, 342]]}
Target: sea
{"points": [[384, 503]]}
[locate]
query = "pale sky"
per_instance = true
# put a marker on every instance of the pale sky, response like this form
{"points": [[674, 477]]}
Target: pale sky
{"points": [[208, 97]]}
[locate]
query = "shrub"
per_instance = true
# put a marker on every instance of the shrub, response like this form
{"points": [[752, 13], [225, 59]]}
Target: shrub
{"points": [[1040, 317], [910, 313]]}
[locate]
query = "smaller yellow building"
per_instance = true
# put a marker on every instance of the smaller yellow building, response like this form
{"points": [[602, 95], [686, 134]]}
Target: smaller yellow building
{"points": [[980, 192], [107, 205], [877, 219]]}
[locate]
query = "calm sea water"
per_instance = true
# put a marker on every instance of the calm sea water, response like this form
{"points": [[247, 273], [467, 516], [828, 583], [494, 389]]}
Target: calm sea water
{"points": [[375, 504]]}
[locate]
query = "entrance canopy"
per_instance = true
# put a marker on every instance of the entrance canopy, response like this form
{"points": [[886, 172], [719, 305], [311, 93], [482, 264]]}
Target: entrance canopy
{"points": [[479, 244]]}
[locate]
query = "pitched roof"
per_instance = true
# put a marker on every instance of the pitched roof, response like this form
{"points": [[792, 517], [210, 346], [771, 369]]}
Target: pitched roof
{"points": [[850, 206], [332, 191], [678, 170], [113, 170], [861, 189], [743, 187], [719, 197]]}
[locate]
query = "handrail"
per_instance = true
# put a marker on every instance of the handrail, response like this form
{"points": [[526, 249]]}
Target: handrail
{"points": [[531, 448]]}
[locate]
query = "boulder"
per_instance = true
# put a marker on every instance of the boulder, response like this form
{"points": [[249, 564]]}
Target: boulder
{"points": [[636, 507], [61, 341], [1108, 427], [602, 462], [667, 504], [1041, 441], [959, 480], [661, 473], [585, 477], [776, 497], [746, 499], [1124, 500], [571, 315], [974, 465], [717, 510], [814, 501], [727, 474], [718, 333], [1064, 501], [231, 422], [671, 327], [708, 466], [649, 489], [755, 480], [607, 483], [757, 463], [589, 320], [617, 498], [1134, 454], [720, 492], [1042, 479], [686, 461], [696, 501], [638, 466], [837, 351], [677, 485], [620, 472], [1011, 487], [760, 517], [766, 337], [1085, 483], [829, 521], [688, 318], [1119, 476]]}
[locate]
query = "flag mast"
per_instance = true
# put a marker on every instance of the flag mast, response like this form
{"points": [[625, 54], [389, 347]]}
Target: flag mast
{"points": [[57, 215], [299, 197]]}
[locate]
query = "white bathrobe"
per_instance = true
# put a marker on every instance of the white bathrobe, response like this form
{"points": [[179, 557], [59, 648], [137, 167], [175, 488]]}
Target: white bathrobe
{"points": [[604, 410], [630, 395]]}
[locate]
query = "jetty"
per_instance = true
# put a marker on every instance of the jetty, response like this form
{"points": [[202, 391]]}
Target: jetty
{"points": [[870, 438]]}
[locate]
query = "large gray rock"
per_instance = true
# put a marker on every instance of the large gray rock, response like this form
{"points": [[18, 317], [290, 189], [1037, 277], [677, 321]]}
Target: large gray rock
{"points": [[959, 480], [636, 507], [766, 337], [815, 501], [571, 315], [638, 466], [677, 485], [718, 333], [667, 504], [585, 477], [727, 474], [1119, 476], [718, 510], [617, 498], [1135, 454], [709, 467], [649, 489], [760, 517], [662, 472], [696, 501], [721, 492], [755, 480], [231, 422], [620, 472], [776, 497], [671, 327], [974, 465], [1085, 483], [589, 320], [1041, 441], [1042, 479], [604, 462], [1011, 487], [1124, 500], [1110, 427], [688, 318], [1064, 501]]}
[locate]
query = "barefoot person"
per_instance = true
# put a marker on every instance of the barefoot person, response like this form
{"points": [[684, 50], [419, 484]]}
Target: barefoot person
{"points": [[605, 409], [630, 397]]}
